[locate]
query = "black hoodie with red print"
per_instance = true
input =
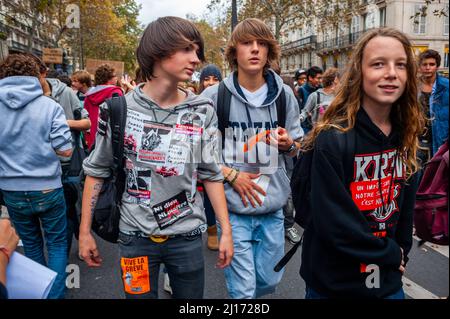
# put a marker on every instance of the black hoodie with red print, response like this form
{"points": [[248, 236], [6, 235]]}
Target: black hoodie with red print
{"points": [[352, 246]]}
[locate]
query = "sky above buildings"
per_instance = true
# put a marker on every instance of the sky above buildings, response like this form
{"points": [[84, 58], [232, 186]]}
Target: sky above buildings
{"points": [[153, 9]]}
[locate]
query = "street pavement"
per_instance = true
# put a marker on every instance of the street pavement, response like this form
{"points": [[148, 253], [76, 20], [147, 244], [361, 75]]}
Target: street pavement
{"points": [[427, 275]]}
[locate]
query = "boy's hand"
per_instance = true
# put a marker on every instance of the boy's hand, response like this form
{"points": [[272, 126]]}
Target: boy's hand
{"points": [[284, 141], [247, 189], [88, 250], [402, 264], [8, 236], [226, 251]]}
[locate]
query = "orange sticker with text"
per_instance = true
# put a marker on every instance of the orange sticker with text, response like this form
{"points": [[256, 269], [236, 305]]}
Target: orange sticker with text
{"points": [[135, 275]]}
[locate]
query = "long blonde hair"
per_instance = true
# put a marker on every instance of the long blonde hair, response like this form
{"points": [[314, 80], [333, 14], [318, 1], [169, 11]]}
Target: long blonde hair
{"points": [[406, 113]]}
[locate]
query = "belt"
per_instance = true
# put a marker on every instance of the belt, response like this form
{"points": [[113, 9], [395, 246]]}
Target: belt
{"points": [[163, 238]]}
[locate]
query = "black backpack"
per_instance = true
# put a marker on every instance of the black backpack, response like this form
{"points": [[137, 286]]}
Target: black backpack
{"points": [[223, 109], [301, 187], [106, 216], [78, 151]]}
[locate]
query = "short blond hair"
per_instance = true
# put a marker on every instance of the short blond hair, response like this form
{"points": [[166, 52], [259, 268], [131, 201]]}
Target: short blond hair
{"points": [[249, 30], [82, 76]]}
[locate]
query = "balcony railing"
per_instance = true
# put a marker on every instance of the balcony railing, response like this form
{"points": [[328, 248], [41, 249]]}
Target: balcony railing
{"points": [[17, 46], [311, 40], [339, 42], [3, 28]]}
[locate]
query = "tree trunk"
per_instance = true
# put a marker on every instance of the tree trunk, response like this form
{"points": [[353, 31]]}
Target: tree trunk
{"points": [[277, 27]]}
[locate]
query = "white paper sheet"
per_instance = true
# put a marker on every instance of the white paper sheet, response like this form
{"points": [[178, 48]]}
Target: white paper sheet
{"points": [[263, 182], [27, 279]]}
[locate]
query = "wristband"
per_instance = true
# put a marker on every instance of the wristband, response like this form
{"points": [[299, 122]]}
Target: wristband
{"points": [[229, 174], [5, 251], [235, 177]]}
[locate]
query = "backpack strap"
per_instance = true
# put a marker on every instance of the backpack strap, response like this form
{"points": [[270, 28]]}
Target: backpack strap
{"points": [[288, 256], [117, 107], [118, 114], [281, 109], [223, 109]]}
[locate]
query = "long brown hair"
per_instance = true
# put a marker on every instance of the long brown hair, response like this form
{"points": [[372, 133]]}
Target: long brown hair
{"points": [[162, 38], [406, 113]]}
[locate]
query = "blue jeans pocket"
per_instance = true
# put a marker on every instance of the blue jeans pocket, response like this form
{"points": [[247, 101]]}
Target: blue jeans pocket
{"points": [[51, 200], [15, 204], [126, 240]]}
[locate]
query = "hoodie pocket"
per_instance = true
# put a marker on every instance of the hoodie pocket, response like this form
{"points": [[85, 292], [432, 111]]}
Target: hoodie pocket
{"points": [[276, 196]]}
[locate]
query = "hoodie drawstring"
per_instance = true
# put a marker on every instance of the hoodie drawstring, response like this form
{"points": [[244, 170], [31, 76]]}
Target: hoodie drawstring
{"points": [[392, 173]]}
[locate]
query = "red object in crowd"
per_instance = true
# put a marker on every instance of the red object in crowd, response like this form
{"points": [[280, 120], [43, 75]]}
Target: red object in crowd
{"points": [[94, 98]]}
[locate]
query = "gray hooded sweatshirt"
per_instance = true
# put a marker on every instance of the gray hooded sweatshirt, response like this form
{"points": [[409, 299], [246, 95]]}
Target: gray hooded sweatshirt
{"points": [[166, 152], [67, 98], [262, 158]]}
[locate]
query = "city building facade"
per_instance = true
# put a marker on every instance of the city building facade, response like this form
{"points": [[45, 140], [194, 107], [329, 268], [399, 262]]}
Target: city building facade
{"points": [[331, 45], [16, 25]]}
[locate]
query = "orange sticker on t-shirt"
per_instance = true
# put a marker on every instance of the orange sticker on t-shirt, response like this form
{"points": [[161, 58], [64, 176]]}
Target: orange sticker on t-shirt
{"points": [[135, 275]]}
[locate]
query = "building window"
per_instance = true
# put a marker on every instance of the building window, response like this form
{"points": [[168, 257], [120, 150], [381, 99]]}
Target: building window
{"points": [[383, 17], [355, 24], [446, 20], [420, 21]]}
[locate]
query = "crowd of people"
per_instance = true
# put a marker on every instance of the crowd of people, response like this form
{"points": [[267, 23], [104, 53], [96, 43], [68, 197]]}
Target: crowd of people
{"points": [[230, 145]]}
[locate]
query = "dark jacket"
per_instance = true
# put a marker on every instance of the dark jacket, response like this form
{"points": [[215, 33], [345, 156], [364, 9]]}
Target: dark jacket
{"points": [[350, 232], [303, 93]]}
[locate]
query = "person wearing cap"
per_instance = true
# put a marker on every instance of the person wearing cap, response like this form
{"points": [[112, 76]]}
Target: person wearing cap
{"points": [[209, 76], [300, 77]]}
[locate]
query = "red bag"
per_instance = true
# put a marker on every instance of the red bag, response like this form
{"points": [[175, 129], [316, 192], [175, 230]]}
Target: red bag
{"points": [[431, 210]]}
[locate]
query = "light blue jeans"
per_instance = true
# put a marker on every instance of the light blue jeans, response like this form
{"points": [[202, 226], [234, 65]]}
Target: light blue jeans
{"points": [[29, 211], [258, 246]]}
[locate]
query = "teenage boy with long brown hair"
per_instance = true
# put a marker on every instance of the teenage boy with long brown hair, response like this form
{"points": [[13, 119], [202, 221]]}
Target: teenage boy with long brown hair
{"points": [[168, 128], [257, 187]]}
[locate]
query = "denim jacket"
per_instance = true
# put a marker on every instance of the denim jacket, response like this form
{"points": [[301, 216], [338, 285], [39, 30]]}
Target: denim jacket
{"points": [[439, 111]]}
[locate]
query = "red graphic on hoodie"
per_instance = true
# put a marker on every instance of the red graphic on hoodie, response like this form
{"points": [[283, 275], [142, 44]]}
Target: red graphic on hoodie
{"points": [[375, 184]]}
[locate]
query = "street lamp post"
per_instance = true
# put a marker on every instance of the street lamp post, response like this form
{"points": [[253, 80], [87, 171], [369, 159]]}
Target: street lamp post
{"points": [[234, 19]]}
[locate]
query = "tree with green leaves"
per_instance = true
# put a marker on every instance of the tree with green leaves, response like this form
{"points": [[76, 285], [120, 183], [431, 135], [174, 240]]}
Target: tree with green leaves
{"points": [[109, 30]]}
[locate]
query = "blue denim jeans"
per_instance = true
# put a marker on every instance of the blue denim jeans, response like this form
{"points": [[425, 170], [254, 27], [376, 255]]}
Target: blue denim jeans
{"points": [[312, 294], [31, 210], [258, 247], [140, 260]]}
